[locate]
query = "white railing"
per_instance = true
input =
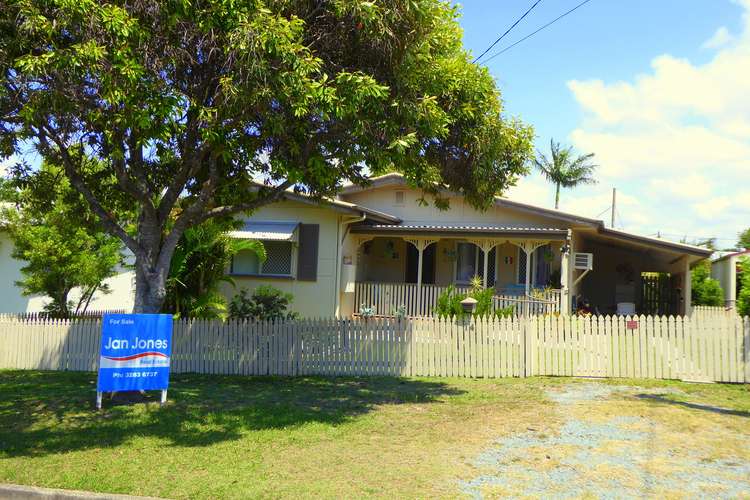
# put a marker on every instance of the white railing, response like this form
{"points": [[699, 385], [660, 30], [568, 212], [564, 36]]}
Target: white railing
{"points": [[525, 305], [385, 299]]}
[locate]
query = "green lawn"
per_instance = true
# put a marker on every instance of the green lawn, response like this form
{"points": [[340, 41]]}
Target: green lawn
{"points": [[251, 437]]}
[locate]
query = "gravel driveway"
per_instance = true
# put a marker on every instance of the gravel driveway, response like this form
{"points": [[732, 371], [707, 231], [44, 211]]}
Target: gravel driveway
{"points": [[620, 442]]}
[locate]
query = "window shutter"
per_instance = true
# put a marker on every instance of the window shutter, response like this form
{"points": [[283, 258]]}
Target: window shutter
{"points": [[307, 259]]}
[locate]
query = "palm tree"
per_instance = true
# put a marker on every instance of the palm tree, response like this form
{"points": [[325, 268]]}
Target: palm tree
{"points": [[564, 169]]}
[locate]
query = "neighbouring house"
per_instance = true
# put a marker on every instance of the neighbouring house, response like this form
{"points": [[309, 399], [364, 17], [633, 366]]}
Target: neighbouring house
{"points": [[121, 297], [380, 247], [725, 266]]}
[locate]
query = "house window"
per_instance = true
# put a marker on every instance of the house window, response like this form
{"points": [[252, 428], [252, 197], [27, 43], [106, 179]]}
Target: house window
{"points": [[279, 260]]}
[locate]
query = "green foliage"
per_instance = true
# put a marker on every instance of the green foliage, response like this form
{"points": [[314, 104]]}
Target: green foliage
{"points": [[483, 308], [744, 239], [266, 304], [59, 239], [505, 312], [449, 304], [195, 101], [706, 290], [743, 297], [564, 169], [199, 266]]}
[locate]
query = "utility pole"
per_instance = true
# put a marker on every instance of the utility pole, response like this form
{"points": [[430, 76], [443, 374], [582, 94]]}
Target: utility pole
{"points": [[614, 206]]}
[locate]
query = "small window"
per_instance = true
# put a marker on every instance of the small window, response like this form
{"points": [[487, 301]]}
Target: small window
{"points": [[399, 197], [279, 260]]}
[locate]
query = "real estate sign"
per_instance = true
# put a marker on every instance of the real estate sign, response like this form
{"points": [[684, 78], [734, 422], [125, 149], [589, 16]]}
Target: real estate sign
{"points": [[135, 354]]}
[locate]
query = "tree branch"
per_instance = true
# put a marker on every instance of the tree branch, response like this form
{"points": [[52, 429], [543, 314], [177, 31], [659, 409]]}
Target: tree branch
{"points": [[108, 221]]}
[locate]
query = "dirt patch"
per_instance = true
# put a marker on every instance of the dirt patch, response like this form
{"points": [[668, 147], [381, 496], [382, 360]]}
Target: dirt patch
{"points": [[612, 445]]}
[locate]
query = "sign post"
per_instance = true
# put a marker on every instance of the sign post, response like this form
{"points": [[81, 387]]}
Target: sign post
{"points": [[135, 354]]}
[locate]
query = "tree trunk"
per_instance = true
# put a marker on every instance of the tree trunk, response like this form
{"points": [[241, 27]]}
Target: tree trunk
{"points": [[557, 197], [150, 289], [151, 268]]}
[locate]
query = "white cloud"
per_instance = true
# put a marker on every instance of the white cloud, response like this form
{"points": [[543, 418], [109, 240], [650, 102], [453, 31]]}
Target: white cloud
{"points": [[720, 38], [676, 138], [712, 208]]}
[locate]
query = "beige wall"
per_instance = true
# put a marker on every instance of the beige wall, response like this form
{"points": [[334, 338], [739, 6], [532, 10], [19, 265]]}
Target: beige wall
{"points": [[384, 199], [385, 262], [311, 298]]}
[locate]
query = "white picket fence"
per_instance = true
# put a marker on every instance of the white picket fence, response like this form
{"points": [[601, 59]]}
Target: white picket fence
{"points": [[709, 349]]}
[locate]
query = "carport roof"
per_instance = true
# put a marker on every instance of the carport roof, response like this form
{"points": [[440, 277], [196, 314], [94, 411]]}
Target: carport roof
{"points": [[701, 252]]}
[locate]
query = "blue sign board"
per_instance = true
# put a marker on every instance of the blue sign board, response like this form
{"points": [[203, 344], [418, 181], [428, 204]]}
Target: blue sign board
{"points": [[136, 349]]}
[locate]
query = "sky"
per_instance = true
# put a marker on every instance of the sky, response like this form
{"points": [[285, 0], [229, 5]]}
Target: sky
{"points": [[658, 90]]}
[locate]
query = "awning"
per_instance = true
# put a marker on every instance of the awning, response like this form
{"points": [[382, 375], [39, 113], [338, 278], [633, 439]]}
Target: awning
{"points": [[274, 231]]}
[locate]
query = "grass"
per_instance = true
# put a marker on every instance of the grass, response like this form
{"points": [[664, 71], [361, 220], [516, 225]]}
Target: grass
{"points": [[281, 437]]}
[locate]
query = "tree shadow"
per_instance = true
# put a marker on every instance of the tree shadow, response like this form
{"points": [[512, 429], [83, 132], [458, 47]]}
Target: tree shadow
{"points": [[660, 399], [51, 412]]}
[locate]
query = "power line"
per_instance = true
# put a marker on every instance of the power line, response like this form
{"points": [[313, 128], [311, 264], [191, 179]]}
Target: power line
{"points": [[537, 31], [507, 31], [603, 212]]}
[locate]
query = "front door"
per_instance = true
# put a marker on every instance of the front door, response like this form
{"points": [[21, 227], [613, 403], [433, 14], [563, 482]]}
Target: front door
{"points": [[428, 264]]}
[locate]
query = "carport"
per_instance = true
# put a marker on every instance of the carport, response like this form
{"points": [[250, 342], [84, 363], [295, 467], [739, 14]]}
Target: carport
{"points": [[651, 274]]}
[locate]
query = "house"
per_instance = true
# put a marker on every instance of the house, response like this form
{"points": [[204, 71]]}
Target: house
{"points": [[725, 266], [378, 246]]}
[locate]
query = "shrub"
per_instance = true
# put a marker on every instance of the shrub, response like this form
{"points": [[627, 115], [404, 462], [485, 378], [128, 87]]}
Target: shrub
{"points": [[706, 291], [743, 298], [484, 302], [449, 304], [505, 312], [266, 303]]}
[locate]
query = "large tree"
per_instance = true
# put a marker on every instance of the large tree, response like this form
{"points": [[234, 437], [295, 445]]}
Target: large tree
{"points": [[197, 101], [564, 168]]}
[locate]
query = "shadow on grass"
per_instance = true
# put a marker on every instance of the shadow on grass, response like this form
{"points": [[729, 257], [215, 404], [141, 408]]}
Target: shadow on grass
{"points": [[51, 412], [693, 406]]}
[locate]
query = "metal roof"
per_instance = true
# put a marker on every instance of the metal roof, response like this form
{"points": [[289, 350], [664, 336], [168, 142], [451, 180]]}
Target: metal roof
{"points": [[273, 231], [460, 229]]}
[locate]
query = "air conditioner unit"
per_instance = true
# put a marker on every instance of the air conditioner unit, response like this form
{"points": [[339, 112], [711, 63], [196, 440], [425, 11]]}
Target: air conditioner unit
{"points": [[584, 261]]}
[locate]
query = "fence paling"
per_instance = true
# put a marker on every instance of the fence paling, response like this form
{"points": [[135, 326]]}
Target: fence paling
{"points": [[698, 348]]}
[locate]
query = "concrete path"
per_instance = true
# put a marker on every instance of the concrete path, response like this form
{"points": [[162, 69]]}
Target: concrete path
{"points": [[17, 492]]}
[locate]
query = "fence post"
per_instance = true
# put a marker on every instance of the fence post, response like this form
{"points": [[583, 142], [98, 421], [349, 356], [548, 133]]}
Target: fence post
{"points": [[526, 339]]}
